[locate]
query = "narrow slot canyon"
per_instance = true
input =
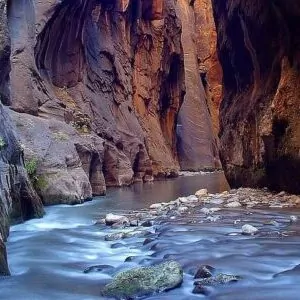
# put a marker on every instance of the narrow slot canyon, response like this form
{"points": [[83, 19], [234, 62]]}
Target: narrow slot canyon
{"points": [[149, 148]]}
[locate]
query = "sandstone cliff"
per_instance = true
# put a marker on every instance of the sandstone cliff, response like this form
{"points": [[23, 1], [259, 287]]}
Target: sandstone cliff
{"points": [[197, 146], [259, 49], [103, 94]]}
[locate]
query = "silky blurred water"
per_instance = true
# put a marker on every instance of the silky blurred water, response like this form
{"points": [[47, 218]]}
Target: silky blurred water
{"points": [[47, 257]]}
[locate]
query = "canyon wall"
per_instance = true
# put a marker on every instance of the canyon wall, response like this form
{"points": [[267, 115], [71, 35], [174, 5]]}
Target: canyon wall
{"points": [[197, 145], [18, 199], [259, 50], [105, 93]]}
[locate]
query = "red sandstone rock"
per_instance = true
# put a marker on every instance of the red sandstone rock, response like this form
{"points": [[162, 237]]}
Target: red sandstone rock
{"points": [[258, 45]]}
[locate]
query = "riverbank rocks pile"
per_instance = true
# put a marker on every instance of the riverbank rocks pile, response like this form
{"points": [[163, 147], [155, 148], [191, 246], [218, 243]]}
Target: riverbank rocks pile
{"points": [[144, 281], [205, 204]]}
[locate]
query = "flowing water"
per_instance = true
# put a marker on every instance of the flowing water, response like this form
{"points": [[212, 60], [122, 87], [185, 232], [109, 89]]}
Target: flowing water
{"points": [[47, 257]]}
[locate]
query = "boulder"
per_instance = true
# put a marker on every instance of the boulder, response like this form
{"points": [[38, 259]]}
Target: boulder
{"points": [[144, 281]]}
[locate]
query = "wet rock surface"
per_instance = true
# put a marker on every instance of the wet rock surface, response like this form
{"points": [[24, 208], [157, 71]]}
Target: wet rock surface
{"points": [[144, 281]]}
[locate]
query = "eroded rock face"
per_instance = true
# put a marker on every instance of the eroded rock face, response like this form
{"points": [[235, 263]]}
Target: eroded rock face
{"points": [[18, 200], [259, 46], [209, 66], [105, 82], [197, 147]]}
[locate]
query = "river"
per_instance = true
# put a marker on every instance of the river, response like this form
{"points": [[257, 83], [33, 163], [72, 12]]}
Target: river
{"points": [[47, 256]]}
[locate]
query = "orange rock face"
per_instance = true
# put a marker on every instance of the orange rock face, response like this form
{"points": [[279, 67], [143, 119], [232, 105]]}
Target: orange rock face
{"points": [[209, 66], [258, 45], [196, 143]]}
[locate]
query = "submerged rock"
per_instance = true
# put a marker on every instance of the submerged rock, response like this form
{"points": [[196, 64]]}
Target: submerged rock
{"points": [[144, 281], [218, 279], [99, 268]]}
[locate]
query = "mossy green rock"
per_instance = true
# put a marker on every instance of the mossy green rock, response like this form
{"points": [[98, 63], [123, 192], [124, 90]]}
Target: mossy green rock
{"points": [[145, 280]]}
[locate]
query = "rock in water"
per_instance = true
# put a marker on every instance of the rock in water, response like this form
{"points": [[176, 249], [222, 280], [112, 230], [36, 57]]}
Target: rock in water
{"points": [[111, 219], [218, 279], [204, 272], [144, 281], [234, 204], [201, 193], [249, 230]]}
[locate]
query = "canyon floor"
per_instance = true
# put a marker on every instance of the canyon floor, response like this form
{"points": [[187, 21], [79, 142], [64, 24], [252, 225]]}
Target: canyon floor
{"points": [[69, 254]]}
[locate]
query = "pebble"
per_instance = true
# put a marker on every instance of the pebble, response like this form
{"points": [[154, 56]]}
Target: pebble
{"points": [[156, 206], [201, 193], [233, 204], [192, 198], [182, 209], [205, 210]]}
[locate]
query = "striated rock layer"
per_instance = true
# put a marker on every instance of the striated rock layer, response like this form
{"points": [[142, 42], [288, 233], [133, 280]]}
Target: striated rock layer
{"points": [[259, 49], [18, 199], [97, 89]]}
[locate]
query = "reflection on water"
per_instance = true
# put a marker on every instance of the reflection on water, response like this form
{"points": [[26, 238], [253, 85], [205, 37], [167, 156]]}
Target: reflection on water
{"points": [[142, 195]]}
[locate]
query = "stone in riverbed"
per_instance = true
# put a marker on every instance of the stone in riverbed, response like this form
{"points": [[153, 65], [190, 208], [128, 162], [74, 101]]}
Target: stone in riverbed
{"points": [[156, 206], [114, 236], [293, 219], [204, 271], [234, 204], [99, 268], [111, 219], [201, 193], [218, 279], [200, 289], [248, 229], [144, 281], [182, 209], [192, 198], [136, 233]]}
